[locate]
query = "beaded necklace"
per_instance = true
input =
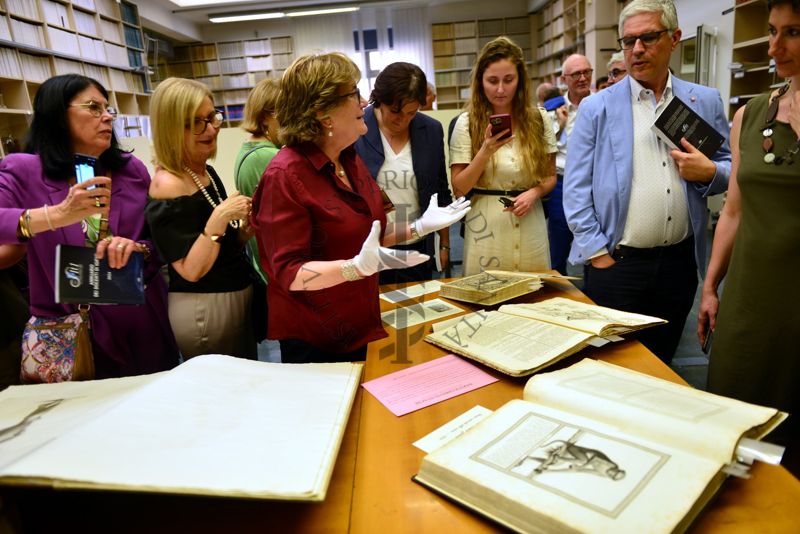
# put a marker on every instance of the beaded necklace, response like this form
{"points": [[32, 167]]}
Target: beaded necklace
{"points": [[233, 223], [769, 123]]}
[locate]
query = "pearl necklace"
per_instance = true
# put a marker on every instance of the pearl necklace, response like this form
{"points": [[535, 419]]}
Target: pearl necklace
{"points": [[234, 223]]}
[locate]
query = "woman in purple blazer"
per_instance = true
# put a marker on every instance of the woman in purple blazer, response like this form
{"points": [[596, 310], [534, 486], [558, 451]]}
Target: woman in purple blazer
{"points": [[42, 206]]}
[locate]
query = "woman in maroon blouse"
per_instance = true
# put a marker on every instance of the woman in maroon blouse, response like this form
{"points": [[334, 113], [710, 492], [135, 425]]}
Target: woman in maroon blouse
{"points": [[320, 222]]}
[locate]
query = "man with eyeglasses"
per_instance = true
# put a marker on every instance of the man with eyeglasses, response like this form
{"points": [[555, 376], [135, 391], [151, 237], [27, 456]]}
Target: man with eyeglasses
{"points": [[636, 208], [616, 68], [576, 74]]}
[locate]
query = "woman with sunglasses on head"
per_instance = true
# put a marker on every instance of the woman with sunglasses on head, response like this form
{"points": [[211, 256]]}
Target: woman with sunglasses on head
{"points": [[320, 219], [42, 206], [198, 229], [508, 173], [755, 356]]}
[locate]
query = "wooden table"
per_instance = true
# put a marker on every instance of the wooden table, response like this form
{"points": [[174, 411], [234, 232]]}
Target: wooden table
{"points": [[386, 500], [371, 490]]}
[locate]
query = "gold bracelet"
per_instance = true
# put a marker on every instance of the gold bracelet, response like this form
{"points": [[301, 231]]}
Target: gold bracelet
{"points": [[349, 271], [22, 232], [414, 232], [47, 216], [444, 247]]}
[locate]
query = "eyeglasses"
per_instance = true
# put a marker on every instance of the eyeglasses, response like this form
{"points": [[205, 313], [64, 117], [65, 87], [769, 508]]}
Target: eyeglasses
{"points": [[356, 93], [200, 125], [581, 73], [96, 108], [648, 39], [615, 73]]}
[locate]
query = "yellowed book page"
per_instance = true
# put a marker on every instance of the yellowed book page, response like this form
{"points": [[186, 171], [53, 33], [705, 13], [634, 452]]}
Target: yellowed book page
{"points": [[214, 425], [581, 316], [706, 424], [533, 467], [509, 343]]}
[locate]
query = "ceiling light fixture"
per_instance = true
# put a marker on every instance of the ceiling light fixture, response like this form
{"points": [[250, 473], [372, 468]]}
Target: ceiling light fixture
{"points": [[262, 15], [241, 17], [328, 11]]}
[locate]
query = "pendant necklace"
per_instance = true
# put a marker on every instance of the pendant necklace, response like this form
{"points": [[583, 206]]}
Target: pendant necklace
{"points": [[769, 124], [235, 222]]}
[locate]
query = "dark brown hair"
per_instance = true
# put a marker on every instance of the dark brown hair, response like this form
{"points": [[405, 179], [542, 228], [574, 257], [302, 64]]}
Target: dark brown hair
{"points": [[397, 85]]}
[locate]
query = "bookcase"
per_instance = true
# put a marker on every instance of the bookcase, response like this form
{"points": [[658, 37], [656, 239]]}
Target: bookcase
{"points": [[43, 38], [560, 31], [751, 71], [456, 46], [230, 68]]}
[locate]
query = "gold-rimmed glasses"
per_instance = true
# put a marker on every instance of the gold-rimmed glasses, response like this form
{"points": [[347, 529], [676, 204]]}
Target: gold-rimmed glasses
{"points": [[97, 109]]}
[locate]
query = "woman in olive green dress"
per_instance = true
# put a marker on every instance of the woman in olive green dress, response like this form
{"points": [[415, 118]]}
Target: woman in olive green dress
{"points": [[756, 352]]}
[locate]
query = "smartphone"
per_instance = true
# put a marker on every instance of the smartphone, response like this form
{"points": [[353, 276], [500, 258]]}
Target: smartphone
{"points": [[499, 123], [507, 202], [554, 103], [709, 338], [84, 168]]}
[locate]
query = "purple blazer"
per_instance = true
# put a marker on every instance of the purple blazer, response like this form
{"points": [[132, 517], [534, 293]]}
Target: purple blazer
{"points": [[127, 340]]}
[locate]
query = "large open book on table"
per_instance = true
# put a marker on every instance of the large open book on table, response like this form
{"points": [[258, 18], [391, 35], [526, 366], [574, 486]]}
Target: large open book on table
{"points": [[596, 448], [215, 425], [520, 339]]}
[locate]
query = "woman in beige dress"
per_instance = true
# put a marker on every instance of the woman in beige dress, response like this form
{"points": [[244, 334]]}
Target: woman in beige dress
{"points": [[520, 168]]}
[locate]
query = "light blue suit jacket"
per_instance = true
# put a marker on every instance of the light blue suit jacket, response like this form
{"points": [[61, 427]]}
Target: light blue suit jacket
{"points": [[597, 178]]}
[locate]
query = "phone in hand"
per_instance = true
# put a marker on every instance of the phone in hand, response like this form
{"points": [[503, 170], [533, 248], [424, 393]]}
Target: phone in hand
{"points": [[84, 168], [499, 123], [507, 202], [707, 343]]}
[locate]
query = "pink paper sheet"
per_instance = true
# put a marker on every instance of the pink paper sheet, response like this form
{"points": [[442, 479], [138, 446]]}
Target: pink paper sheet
{"points": [[427, 383]]}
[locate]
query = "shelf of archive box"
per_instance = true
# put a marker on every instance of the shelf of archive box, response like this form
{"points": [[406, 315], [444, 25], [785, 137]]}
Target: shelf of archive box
{"points": [[15, 125], [23, 18], [39, 51]]}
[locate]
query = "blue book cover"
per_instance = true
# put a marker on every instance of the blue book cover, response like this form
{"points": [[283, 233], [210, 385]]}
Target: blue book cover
{"points": [[83, 279]]}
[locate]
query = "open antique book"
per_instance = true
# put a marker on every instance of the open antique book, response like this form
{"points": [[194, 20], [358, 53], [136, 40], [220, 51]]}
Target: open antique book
{"points": [[520, 339], [491, 287], [215, 425], [596, 448]]}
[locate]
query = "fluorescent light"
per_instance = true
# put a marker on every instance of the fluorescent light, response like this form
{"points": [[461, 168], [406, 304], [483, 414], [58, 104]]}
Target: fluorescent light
{"points": [[321, 11], [244, 16]]}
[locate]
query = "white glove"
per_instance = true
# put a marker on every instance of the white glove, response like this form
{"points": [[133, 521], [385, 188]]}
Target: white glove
{"points": [[436, 218], [373, 257]]}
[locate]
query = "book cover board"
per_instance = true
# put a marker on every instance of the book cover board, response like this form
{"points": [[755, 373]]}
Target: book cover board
{"points": [[491, 287], [678, 120], [83, 279], [215, 425]]}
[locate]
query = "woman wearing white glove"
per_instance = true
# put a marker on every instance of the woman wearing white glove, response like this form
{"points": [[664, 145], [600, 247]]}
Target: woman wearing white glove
{"points": [[318, 218]]}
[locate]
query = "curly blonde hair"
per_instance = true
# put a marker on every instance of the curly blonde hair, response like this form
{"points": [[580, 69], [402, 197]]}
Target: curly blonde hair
{"points": [[311, 87], [529, 127]]}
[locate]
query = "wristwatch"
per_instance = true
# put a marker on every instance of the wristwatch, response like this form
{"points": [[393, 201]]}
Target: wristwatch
{"points": [[213, 237]]}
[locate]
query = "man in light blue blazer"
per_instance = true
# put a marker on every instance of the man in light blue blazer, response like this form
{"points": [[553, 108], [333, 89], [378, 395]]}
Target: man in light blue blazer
{"points": [[636, 208]]}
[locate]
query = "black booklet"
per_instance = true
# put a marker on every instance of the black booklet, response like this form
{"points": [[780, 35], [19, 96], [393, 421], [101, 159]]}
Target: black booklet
{"points": [[83, 279], [679, 120]]}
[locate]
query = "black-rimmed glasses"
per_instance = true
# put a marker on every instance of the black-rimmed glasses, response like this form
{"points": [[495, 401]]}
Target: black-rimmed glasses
{"points": [[97, 109], [215, 119], [582, 73], [648, 39], [356, 93]]}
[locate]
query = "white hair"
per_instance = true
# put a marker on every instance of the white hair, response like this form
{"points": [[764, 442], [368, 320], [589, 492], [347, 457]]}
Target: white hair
{"points": [[669, 16]]}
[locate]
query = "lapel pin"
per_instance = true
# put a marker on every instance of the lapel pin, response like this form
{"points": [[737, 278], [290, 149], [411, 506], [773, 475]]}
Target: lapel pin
{"points": [[693, 98]]}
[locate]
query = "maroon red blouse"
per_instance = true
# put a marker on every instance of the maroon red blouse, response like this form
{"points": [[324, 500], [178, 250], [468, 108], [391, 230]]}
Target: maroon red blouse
{"points": [[302, 212]]}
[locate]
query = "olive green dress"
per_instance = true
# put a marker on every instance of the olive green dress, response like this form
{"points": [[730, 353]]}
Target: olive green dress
{"points": [[756, 352]]}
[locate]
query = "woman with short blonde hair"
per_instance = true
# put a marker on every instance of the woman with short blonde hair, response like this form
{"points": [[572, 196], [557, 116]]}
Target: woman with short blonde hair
{"points": [[320, 220], [507, 172]]}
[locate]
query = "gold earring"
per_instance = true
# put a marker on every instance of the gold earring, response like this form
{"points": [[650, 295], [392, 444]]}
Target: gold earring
{"points": [[330, 131]]}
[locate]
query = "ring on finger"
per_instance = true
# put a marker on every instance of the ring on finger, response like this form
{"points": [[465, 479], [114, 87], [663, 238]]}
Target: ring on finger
{"points": [[97, 201], [120, 246]]}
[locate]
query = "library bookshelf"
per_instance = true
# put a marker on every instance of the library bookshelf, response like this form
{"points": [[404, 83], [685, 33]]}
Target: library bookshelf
{"points": [[751, 70], [456, 46], [39, 39], [230, 68]]}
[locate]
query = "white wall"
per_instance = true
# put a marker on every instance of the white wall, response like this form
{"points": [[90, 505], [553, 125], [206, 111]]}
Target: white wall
{"points": [[161, 19]]}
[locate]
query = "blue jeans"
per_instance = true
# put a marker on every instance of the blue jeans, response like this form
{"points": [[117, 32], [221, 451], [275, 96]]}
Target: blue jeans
{"points": [[557, 230]]}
